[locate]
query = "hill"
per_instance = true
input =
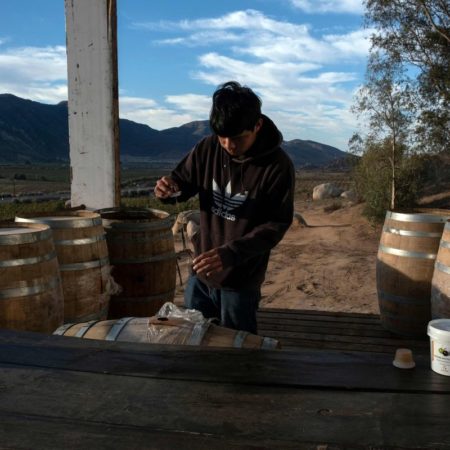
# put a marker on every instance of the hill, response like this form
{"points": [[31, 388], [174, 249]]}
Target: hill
{"points": [[36, 132]]}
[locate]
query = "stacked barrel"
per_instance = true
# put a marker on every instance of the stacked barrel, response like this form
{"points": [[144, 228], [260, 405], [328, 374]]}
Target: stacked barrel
{"points": [[413, 272], [30, 284], [55, 267]]}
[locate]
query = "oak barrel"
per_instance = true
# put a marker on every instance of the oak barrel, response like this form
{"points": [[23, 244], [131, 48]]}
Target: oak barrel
{"points": [[440, 284], [142, 253], [161, 330], [83, 259], [31, 297], [406, 255]]}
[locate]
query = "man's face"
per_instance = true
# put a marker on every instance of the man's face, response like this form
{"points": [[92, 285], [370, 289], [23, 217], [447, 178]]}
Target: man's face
{"points": [[238, 145]]}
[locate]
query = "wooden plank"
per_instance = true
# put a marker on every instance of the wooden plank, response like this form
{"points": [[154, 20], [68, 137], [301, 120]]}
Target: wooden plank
{"points": [[221, 412], [347, 338], [301, 368], [326, 327], [313, 319], [298, 344], [21, 431], [314, 312]]}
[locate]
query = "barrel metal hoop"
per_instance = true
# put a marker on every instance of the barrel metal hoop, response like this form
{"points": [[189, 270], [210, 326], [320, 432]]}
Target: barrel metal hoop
{"points": [[63, 328], [410, 233], [159, 224], [442, 267], [240, 338], [26, 238], [157, 258], [421, 218], [83, 241], [386, 296], [444, 244], [198, 333], [85, 328], [85, 265], [63, 223], [117, 328], [88, 317], [27, 261], [149, 298], [269, 343], [406, 253], [27, 290], [117, 237]]}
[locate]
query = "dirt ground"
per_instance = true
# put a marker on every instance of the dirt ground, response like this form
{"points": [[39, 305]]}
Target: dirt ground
{"points": [[328, 265]]}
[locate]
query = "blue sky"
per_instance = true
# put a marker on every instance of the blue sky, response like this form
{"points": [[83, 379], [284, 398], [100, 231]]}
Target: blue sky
{"points": [[304, 58]]}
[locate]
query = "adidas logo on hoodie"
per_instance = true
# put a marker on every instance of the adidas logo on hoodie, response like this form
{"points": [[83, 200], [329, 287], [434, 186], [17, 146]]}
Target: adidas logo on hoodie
{"points": [[224, 202]]}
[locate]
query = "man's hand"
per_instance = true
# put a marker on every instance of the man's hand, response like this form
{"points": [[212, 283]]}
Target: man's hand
{"points": [[208, 263], [166, 187]]}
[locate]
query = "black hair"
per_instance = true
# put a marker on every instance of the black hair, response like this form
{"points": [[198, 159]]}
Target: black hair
{"points": [[235, 109]]}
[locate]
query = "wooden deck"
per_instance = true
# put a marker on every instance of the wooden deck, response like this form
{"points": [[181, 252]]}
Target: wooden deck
{"points": [[317, 393], [300, 329]]}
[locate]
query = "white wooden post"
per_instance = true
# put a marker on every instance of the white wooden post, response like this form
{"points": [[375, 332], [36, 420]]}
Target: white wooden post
{"points": [[91, 27]]}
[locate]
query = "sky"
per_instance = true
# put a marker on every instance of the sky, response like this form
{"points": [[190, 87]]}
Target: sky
{"points": [[304, 58]]}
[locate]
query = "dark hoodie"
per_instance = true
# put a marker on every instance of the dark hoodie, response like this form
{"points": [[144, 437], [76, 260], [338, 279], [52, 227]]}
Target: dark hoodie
{"points": [[246, 204]]}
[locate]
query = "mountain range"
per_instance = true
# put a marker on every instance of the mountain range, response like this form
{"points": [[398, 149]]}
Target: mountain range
{"points": [[38, 133]]}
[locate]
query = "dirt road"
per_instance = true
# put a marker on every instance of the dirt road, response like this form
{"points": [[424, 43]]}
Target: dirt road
{"points": [[329, 265]]}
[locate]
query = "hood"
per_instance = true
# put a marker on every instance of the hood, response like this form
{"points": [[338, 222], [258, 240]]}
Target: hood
{"points": [[268, 140]]}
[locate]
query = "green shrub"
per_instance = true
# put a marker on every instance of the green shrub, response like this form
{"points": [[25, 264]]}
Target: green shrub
{"points": [[373, 177]]}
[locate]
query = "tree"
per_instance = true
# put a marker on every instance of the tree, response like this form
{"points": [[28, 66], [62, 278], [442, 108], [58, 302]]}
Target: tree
{"points": [[415, 34], [385, 103]]}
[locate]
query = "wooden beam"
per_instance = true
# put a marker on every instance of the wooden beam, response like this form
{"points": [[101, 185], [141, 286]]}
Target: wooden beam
{"points": [[93, 102]]}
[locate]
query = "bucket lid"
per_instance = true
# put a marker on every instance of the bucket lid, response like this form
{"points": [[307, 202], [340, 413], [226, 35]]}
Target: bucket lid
{"points": [[439, 328]]}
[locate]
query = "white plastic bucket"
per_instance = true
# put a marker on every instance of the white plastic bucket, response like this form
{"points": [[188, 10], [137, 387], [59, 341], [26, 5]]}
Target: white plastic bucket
{"points": [[439, 332]]}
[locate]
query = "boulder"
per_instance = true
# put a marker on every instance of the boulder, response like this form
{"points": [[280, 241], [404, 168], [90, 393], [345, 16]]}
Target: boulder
{"points": [[298, 220], [326, 190], [188, 221], [350, 196]]}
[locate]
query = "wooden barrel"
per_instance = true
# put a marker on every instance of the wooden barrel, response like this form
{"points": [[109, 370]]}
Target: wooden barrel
{"points": [[440, 284], [142, 253], [161, 330], [83, 259], [31, 297], [405, 263]]}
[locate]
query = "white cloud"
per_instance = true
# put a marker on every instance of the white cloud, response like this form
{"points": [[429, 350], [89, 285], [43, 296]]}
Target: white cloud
{"points": [[291, 66], [356, 43], [327, 6], [186, 108], [261, 37], [36, 73], [197, 105]]}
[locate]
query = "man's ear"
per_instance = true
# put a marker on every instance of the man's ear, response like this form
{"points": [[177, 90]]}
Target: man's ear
{"points": [[258, 124]]}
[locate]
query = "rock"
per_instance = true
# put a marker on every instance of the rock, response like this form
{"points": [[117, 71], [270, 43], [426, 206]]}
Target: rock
{"points": [[298, 220], [189, 221], [326, 190], [350, 196]]}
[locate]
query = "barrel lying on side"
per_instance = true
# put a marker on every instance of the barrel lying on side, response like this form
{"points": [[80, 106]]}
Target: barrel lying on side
{"points": [[440, 284], [161, 330], [83, 258], [405, 264], [31, 297]]}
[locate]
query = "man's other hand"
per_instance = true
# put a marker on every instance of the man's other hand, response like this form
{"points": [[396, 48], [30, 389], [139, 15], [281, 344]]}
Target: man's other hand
{"points": [[208, 263]]}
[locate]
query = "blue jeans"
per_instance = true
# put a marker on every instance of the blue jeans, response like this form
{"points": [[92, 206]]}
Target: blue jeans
{"points": [[234, 309]]}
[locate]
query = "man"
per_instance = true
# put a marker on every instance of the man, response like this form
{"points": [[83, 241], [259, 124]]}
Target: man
{"points": [[245, 183]]}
